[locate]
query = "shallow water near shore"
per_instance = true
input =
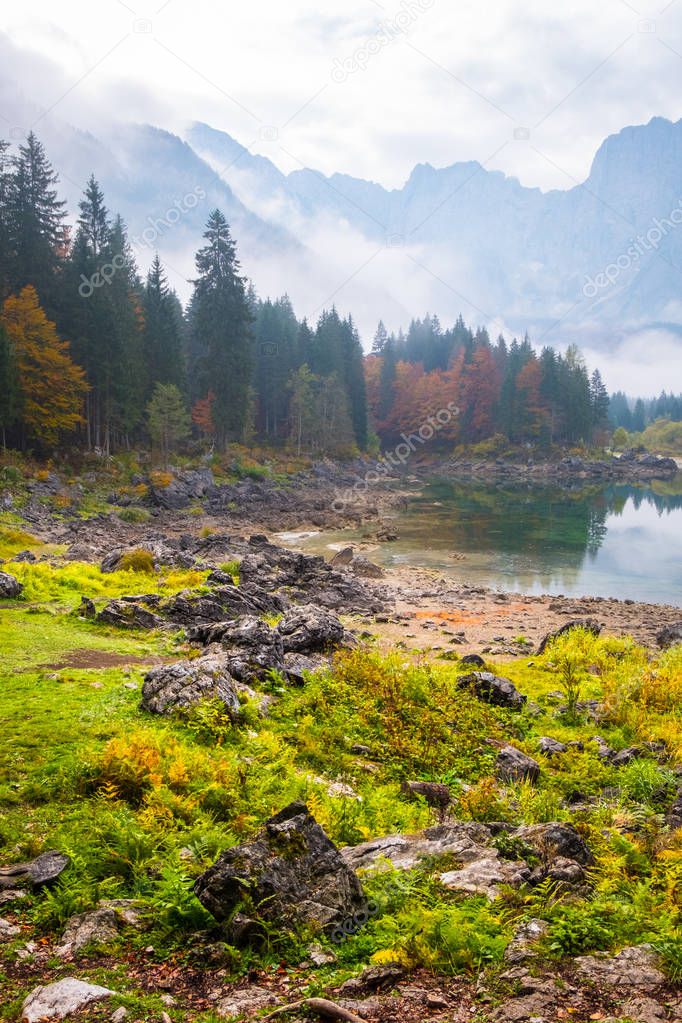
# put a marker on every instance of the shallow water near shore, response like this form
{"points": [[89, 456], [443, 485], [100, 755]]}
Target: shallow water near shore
{"points": [[608, 541]]}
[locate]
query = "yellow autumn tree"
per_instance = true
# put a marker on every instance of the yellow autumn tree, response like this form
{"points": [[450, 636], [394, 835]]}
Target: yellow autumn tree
{"points": [[52, 387]]}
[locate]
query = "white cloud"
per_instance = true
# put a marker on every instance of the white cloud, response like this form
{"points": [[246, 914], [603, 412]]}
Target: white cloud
{"points": [[453, 86]]}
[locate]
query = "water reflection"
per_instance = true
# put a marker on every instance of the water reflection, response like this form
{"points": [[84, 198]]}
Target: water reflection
{"points": [[605, 541], [609, 541]]}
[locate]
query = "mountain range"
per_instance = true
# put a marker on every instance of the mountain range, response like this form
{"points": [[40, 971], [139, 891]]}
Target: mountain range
{"points": [[594, 263]]}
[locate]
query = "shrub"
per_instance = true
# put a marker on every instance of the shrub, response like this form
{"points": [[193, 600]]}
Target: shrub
{"points": [[137, 560], [133, 515]]}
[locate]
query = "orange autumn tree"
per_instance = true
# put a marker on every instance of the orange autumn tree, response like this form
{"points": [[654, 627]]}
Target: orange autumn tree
{"points": [[52, 387]]}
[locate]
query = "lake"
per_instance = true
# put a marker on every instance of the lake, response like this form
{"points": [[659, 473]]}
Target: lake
{"points": [[610, 541]]}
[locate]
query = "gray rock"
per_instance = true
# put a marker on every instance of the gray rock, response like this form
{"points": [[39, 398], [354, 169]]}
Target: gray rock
{"points": [[9, 586], [187, 683], [551, 747], [127, 614], [484, 875], [342, 558], [498, 692], [472, 660], [297, 666], [366, 569], [465, 842], [555, 839], [55, 1001], [253, 649], [635, 967], [513, 765], [670, 635], [42, 870], [374, 978], [522, 946], [8, 930], [291, 873], [309, 629], [589, 624], [245, 1002], [99, 926]]}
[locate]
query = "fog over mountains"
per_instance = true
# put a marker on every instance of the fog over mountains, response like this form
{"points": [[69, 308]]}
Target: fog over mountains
{"points": [[599, 263]]}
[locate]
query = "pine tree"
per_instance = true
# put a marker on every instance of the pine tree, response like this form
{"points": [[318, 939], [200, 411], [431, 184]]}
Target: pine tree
{"points": [[37, 236], [5, 224], [163, 331], [380, 339], [221, 324], [599, 402], [168, 419]]}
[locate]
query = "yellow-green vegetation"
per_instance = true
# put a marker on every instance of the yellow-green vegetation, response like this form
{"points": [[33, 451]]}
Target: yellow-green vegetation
{"points": [[143, 805]]}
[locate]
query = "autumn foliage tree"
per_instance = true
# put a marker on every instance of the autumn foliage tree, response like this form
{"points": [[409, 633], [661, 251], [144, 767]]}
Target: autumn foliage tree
{"points": [[52, 387]]}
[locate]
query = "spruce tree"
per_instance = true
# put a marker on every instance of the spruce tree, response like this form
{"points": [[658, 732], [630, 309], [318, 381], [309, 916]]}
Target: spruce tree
{"points": [[37, 237], [163, 331], [10, 397], [221, 325]]}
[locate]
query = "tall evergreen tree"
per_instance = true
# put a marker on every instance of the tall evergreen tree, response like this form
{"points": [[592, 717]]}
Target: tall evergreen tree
{"points": [[163, 331], [37, 237], [222, 326]]}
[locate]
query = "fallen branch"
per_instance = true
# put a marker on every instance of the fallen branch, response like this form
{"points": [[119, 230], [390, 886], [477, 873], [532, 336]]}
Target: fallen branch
{"points": [[322, 1006]]}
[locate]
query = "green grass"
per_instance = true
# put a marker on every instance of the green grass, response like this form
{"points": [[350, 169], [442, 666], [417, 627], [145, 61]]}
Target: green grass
{"points": [[142, 804]]}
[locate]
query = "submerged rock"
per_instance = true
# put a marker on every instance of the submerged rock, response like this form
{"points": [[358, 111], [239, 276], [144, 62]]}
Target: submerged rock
{"points": [[291, 873]]}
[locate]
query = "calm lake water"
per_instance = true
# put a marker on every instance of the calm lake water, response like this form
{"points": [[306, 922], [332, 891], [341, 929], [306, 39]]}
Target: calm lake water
{"points": [[613, 541]]}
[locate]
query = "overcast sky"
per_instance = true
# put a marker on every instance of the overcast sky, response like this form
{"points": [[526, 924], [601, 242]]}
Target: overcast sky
{"points": [[367, 87]]}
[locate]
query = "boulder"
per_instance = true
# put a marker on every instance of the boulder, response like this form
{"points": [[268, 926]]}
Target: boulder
{"points": [[127, 614], [253, 649], [472, 661], [484, 876], [551, 747], [297, 666], [245, 1001], [342, 558], [42, 870], [669, 635], [366, 569], [187, 683], [489, 688], [291, 873], [309, 629], [99, 926], [635, 967], [513, 765], [183, 489], [9, 586], [56, 1001], [464, 841], [8, 930], [555, 839], [589, 624]]}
